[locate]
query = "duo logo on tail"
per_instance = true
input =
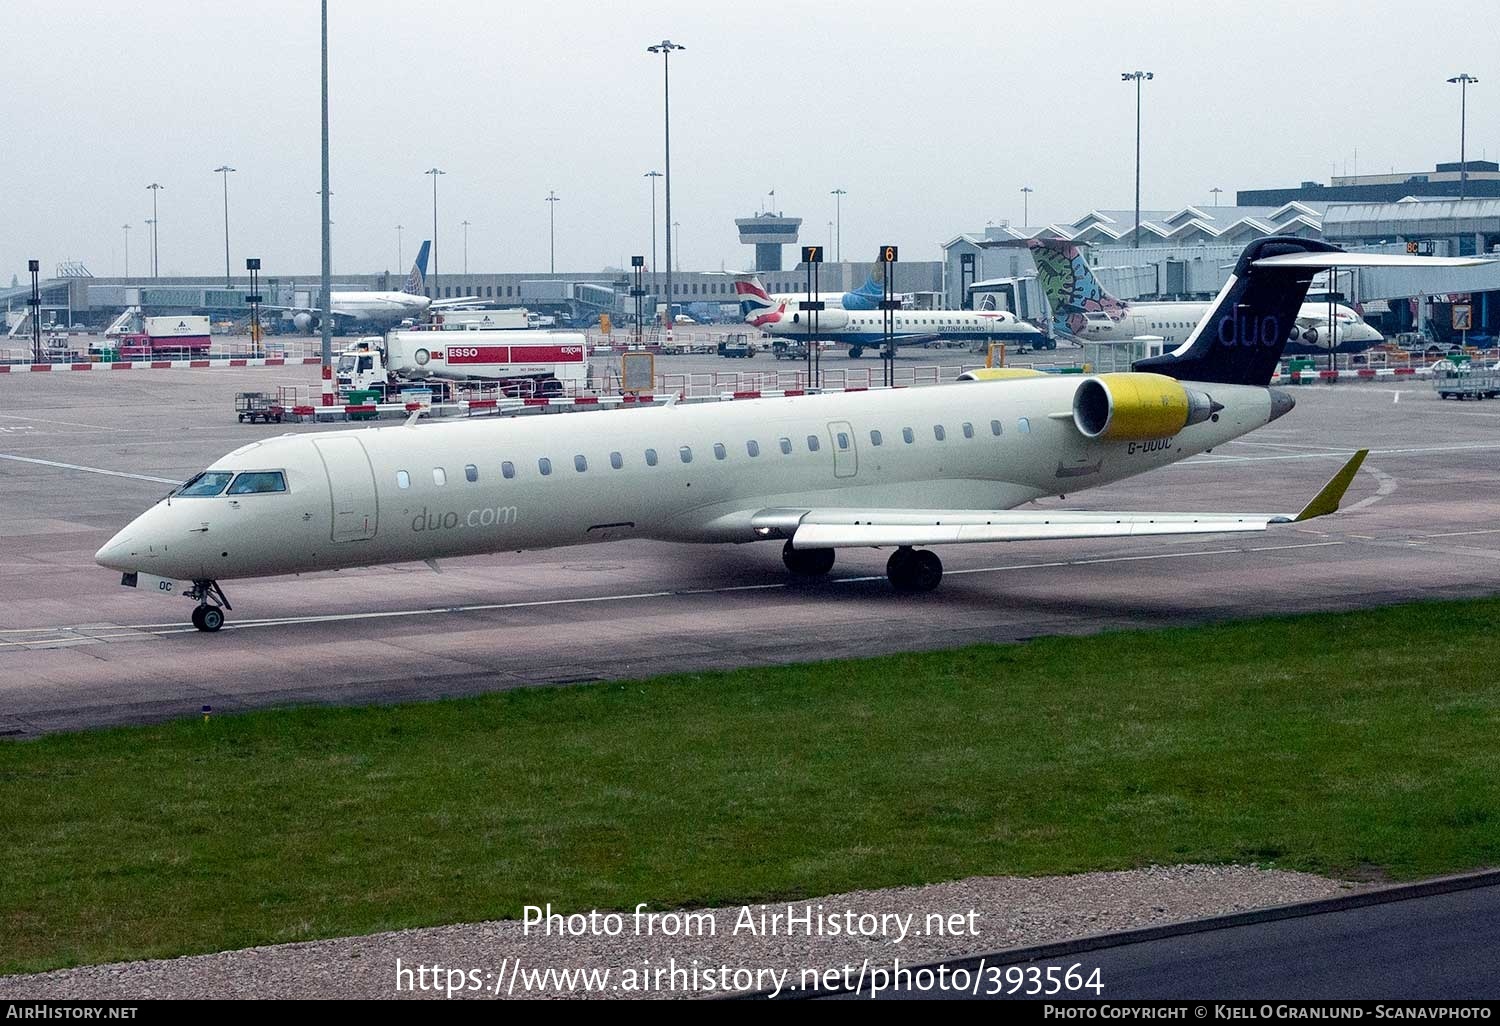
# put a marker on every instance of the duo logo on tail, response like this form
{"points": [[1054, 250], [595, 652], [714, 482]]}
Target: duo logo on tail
{"points": [[416, 281], [1071, 287]]}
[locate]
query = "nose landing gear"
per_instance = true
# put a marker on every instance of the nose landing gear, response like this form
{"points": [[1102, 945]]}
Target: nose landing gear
{"points": [[209, 614], [914, 570]]}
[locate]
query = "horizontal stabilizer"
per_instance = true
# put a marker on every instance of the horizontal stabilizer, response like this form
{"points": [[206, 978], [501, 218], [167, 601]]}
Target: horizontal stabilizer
{"points": [[1339, 258]]}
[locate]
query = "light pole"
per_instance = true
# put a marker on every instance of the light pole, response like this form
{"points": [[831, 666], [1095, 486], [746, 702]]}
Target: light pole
{"points": [[1137, 76], [830, 234], [552, 199], [653, 175], [1216, 190], [434, 172], [127, 249], [400, 259], [838, 224], [677, 228], [1026, 192], [665, 48], [325, 277], [224, 169], [155, 253], [466, 224], [1464, 81]]}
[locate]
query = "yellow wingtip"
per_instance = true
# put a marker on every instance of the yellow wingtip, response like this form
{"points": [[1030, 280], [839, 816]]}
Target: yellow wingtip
{"points": [[1327, 501]]}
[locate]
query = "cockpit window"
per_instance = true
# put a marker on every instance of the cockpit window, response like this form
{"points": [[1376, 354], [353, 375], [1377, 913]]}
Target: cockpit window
{"points": [[210, 482], [346, 364], [256, 481]]}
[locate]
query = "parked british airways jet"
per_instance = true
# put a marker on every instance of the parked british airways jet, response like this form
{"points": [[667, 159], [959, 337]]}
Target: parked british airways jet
{"points": [[904, 469], [863, 328]]}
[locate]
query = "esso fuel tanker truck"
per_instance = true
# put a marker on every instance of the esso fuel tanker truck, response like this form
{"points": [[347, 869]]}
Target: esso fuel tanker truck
{"points": [[518, 362]]}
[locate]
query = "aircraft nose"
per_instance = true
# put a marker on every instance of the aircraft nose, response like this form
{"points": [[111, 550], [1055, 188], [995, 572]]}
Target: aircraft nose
{"points": [[115, 554]]}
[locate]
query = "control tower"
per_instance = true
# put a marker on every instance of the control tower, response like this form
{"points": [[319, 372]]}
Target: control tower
{"points": [[768, 233]]}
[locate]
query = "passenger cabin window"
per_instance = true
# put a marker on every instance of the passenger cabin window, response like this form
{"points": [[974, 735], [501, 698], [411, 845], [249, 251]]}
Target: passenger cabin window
{"points": [[580, 464], [209, 483], [650, 457], [471, 473], [686, 453], [258, 481], [403, 479], [544, 465], [1024, 426], [843, 439], [875, 438], [939, 433], [995, 428], [616, 460], [719, 451], [968, 430], [507, 470], [752, 447], [908, 435], [786, 446], [439, 476], [812, 443]]}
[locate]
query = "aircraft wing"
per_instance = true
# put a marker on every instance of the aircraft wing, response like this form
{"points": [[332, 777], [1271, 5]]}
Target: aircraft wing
{"points": [[457, 303], [838, 528]]}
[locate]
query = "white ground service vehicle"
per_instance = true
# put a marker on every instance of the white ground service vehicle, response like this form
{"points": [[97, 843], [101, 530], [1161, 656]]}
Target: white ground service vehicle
{"points": [[483, 320], [519, 362]]}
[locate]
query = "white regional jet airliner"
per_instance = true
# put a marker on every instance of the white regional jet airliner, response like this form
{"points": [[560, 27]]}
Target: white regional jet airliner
{"points": [[898, 468]]}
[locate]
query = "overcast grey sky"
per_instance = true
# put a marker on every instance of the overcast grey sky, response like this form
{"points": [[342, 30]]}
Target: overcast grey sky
{"points": [[931, 115]]}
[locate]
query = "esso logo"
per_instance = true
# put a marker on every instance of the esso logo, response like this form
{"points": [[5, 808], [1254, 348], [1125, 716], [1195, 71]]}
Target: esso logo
{"points": [[421, 356], [461, 353]]}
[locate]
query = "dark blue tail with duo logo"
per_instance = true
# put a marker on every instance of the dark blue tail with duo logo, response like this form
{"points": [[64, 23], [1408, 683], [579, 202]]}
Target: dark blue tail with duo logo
{"points": [[1239, 341]]}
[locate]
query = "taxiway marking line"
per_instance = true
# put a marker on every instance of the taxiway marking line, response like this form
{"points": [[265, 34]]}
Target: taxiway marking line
{"points": [[177, 628], [1205, 459], [88, 470]]}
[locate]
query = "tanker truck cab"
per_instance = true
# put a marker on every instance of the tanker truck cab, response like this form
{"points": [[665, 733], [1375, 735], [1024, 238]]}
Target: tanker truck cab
{"points": [[362, 366]]}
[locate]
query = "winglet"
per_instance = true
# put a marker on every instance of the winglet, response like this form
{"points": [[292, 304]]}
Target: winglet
{"points": [[1327, 501]]}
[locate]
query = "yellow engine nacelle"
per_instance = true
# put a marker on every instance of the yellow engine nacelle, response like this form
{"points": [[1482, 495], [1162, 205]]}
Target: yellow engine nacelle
{"points": [[1137, 407], [1000, 374]]}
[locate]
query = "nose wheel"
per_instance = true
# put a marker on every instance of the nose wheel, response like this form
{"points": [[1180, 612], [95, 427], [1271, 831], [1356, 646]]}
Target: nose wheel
{"points": [[208, 616], [912, 571]]}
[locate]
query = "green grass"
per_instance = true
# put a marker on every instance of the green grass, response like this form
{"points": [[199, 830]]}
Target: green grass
{"points": [[1362, 742]]}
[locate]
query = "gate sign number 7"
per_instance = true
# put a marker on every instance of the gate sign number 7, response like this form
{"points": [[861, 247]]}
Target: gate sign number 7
{"points": [[812, 254]]}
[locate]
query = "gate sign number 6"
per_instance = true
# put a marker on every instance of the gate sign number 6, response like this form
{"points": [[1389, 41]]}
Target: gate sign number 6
{"points": [[887, 255]]}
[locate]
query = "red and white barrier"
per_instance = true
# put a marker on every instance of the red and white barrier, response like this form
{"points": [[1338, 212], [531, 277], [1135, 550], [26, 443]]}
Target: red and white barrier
{"points": [[125, 365]]}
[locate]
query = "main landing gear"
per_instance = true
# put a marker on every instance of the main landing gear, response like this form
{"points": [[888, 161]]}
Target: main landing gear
{"points": [[807, 562], [209, 614], [914, 570]]}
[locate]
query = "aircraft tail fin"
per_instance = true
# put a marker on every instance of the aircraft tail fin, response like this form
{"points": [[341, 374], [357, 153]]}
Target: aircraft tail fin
{"points": [[1071, 288], [416, 281], [1240, 339], [868, 295], [756, 304]]}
